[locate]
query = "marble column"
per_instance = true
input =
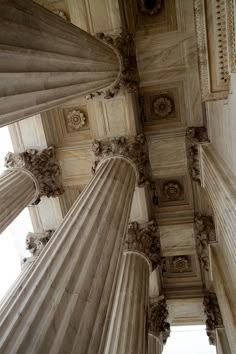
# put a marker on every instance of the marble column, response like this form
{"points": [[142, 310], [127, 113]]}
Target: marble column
{"points": [[46, 61], [127, 326], [158, 327], [35, 243], [30, 175], [63, 305]]}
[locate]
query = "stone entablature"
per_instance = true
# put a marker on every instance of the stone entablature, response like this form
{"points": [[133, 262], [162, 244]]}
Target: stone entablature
{"points": [[204, 235], [133, 149], [213, 316], [157, 320], [144, 239], [216, 46], [42, 167]]}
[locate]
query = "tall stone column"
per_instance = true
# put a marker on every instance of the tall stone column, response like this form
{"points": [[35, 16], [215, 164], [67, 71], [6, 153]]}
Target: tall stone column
{"points": [[35, 243], [46, 61], [127, 326], [31, 175], [158, 327], [63, 305]]}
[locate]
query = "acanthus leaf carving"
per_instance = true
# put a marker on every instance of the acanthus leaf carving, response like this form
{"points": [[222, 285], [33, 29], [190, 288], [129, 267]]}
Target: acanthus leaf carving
{"points": [[204, 234], [197, 135], [128, 79], [157, 320], [35, 243], [43, 166], [213, 316], [145, 239], [135, 149]]}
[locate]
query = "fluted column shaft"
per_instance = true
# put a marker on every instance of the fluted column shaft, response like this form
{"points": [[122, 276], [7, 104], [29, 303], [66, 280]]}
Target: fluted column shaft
{"points": [[46, 61], [127, 332], [155, 345], [62, 307], [17, 191]]}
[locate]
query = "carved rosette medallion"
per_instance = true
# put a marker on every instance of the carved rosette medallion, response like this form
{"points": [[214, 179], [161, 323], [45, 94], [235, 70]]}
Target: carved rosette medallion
{"points": [[42, 166], [35, 242], [214, 319], [172, 190], [144, 239], [128, 79], [204, 234], [157, 324], [75, 120], [134, 149], [162, 106], [181, 263]]}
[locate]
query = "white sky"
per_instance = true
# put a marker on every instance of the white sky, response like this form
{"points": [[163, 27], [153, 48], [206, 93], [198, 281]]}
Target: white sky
{"points": [[12, 240], [188, 340], [183, 340]]}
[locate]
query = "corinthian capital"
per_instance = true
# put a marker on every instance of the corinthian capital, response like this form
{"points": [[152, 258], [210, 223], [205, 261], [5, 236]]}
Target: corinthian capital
{"points": [[125, 48], [204, 235], [213, 316], [43, 168], [157, 324], [134, 149], [144, 239]]}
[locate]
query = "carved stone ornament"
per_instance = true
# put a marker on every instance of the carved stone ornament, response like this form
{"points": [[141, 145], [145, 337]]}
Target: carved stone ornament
{"points": [[128, 80], [194, 162], [204, 234], [162, 106], [144, 239], [61, 14], [197, 135], [151, 7], [172, 190], [181, 263], [157, 324], [134, 149], [35, 242], [44, 168], [214, 319], [75, 120]]}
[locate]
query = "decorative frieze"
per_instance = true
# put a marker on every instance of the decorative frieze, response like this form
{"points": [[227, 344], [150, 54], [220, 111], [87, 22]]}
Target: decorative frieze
{"points": [[43, 168], [128, 79], [213, 316], [144, 239], [134, 149], [157, 321], [216, 46], [204, 235]]}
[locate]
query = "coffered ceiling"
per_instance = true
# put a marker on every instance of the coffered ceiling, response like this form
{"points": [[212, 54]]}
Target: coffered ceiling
{"points": [[168, 101]]}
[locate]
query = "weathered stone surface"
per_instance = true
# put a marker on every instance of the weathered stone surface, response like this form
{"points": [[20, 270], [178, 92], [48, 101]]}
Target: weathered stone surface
{"points": [[157, 321]]}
